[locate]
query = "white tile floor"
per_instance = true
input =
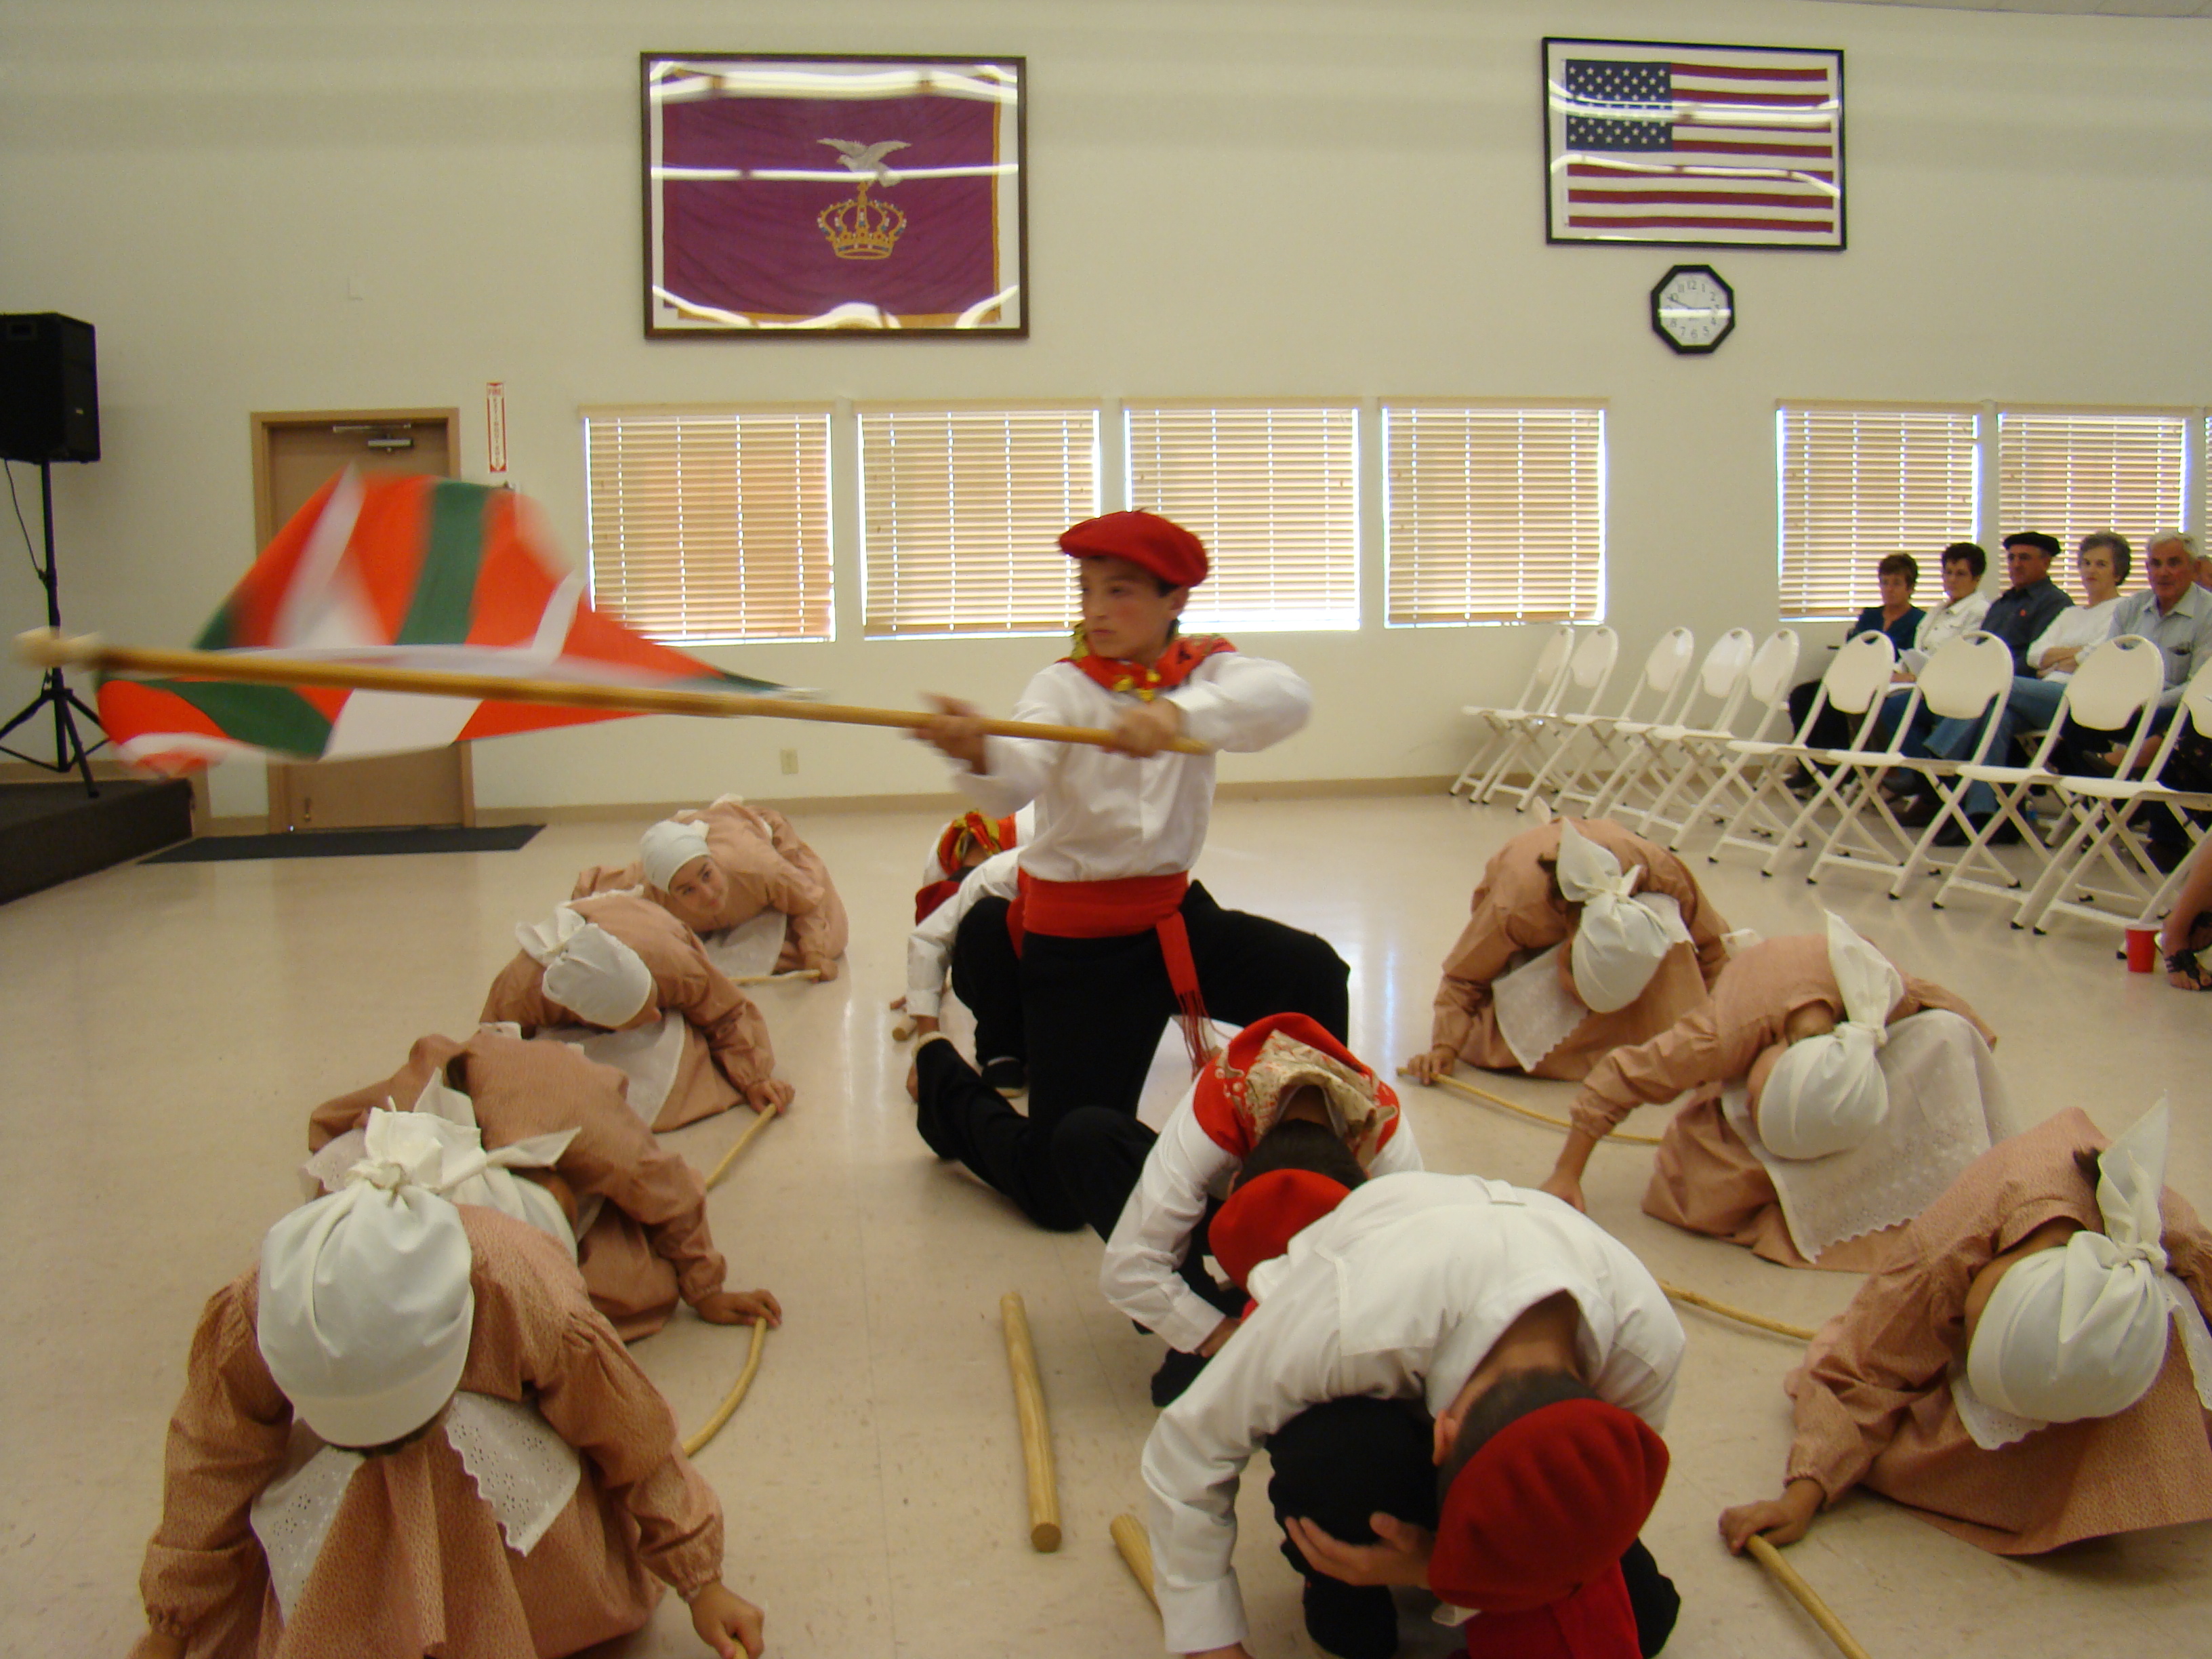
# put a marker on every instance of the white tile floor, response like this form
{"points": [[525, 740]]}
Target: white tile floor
{"points": [[164, 1030]]}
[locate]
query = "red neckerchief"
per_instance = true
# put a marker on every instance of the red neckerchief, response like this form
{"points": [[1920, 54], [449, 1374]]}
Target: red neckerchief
{"points": [[1176, 664]]}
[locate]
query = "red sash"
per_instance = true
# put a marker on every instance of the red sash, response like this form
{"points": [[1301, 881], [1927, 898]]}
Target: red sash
{"points": [[1177, 663], [1115, 909]]}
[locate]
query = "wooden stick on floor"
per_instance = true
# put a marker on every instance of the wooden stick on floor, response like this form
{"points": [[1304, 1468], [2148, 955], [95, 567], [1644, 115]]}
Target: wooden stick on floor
{"points": [[46, 647], [722, 1411], [1459, 1087], [1036, 1435], [761, 1121], [1136, 1547], [1791, 1580], [777, 979], [1743, 1317]]}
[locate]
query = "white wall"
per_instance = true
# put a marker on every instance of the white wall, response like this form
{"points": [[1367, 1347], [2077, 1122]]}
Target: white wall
{"points": [[1233, 197]]}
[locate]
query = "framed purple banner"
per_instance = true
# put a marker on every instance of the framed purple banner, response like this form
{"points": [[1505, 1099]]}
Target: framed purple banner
{"points": [[873, 195], [1694, 146]]}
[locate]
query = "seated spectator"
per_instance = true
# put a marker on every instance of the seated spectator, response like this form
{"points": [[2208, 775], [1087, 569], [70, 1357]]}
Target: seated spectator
{"points": [[2014, 1372], [1639, 943], [1896, 615], [2176, 616], [719, 865], [406, 1431], [2187, 934], [1842, 1124], [616, 962], [1959, 611], [632, 1214], [2104, 563]]}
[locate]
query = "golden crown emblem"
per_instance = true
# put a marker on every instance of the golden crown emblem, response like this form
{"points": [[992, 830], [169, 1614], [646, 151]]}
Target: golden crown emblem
{"points": [[860, 229]]}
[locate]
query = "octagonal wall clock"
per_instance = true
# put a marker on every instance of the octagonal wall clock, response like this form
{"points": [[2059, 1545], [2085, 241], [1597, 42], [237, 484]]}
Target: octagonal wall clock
{"points": [[1692, 309]]}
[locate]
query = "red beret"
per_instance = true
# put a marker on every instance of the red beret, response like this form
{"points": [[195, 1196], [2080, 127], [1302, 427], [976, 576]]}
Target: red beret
{"points": [[1550, 1502], [1145, 539], [1261, 1217]]}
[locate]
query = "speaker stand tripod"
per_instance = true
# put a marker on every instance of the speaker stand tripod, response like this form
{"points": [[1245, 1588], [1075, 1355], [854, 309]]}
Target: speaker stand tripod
{"points": [[70, 754]]}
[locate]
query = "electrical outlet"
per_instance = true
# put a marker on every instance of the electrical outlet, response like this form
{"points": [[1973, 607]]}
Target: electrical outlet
{"points": [[790, 761]]}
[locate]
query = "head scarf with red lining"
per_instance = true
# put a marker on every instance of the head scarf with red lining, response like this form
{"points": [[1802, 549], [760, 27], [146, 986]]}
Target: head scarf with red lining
{"points": [[971, 830], [1547, 1506], [1239, 1095]]}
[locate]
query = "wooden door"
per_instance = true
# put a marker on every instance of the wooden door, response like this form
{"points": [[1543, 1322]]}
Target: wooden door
{"points": [[293, 456]]}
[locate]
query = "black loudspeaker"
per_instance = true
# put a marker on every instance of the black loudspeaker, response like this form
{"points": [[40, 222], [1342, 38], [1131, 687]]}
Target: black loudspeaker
{"points": [[49, 389]]}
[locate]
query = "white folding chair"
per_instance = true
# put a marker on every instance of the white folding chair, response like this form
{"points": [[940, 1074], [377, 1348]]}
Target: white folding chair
{"points": [[1589, 665], [2103, 835], [2115, 687], [1856, 678], [1716, 693], [1965, 679], [1547, 680], [1606, 740], [1700, 753]]}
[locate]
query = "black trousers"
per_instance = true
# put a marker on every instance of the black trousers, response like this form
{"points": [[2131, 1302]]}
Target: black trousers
{"points": [[1343, 1459], [987, 977], [1095, 1008]]}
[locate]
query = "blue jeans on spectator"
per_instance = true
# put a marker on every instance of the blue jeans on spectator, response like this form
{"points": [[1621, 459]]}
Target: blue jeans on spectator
{"points": [[2032, 705]]}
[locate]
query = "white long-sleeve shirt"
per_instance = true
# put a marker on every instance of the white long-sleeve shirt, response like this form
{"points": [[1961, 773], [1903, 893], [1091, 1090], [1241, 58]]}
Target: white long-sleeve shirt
{"points": [[1948, 618], [1150, 1241], [2079, 627], [929, 947], [1399, 1294], [1104, 817]]}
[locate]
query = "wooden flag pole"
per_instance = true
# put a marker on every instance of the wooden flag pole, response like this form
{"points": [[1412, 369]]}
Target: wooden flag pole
{"points": [[46, 647], [1791, 1580], [1471, 1092]]}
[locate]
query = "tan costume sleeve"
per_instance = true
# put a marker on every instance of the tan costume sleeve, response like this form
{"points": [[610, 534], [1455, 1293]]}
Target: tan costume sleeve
{"points": [[1921, 994], [820, 933], [518, 994], [226, 1443], [754, 849], [686, 983], [1497, 931], [1701, 1047], [600, 1402], [399, 1092], [606, 878]]}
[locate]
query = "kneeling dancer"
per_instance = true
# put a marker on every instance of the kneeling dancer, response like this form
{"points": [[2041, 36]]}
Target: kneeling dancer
{"points": [[1283, 1094], [1821, 1119], [1460, 1383], [406, 1431], [619, 962], [719, 865], [1116, 939], [633, 1213], [2032, 1367], [1641, 943]]}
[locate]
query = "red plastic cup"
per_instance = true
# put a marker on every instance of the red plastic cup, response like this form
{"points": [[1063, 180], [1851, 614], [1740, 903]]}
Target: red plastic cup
{"points": [[2142, 950]]}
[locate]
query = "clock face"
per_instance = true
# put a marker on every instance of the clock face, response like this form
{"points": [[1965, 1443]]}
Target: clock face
{"points": [[1692, 309]]}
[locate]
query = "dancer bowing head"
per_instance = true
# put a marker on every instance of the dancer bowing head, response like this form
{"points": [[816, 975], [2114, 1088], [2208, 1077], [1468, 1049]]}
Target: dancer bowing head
{"points": [[406, 1431], [1581, 938], [1116, 939], [2032, 1367], [1460, 1383]]}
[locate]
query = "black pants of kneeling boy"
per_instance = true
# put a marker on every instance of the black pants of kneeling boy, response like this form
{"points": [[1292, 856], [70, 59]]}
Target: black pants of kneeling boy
{"points": [[1340, 1461], [1093, 1010]]}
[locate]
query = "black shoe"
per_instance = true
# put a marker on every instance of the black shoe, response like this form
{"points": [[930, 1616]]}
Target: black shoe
{"points": [[1352, 1622], [1008, 1076], [1919, 811], [1176, 1372]]}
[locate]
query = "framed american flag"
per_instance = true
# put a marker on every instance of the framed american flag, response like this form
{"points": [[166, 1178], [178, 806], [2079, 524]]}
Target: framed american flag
{"points": [[1694, 146], [877, 197]]}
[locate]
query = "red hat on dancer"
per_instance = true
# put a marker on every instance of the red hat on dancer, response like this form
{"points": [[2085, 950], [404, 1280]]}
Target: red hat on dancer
{"points": [[1548, 1505], [1260, 1217], [1145, 540]]}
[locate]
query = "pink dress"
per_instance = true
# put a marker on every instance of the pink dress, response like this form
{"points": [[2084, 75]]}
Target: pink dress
{"points": [[1516, 913]]}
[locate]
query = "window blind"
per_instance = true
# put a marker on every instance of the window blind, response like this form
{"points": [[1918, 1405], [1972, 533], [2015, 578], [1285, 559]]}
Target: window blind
{"points": [[1273, 492], [963, 510], [705, 525], [2068, 474], [1494, 515], [1857, 484]]}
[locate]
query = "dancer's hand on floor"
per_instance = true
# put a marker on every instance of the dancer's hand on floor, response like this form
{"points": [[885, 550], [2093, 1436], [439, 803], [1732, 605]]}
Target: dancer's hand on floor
{"points": [[1783, 1521], [1564, 1186], [824, 969], [742, 1308], [1401, 1557], [726, 1622], [1431, 1064], [770, 1096]]}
